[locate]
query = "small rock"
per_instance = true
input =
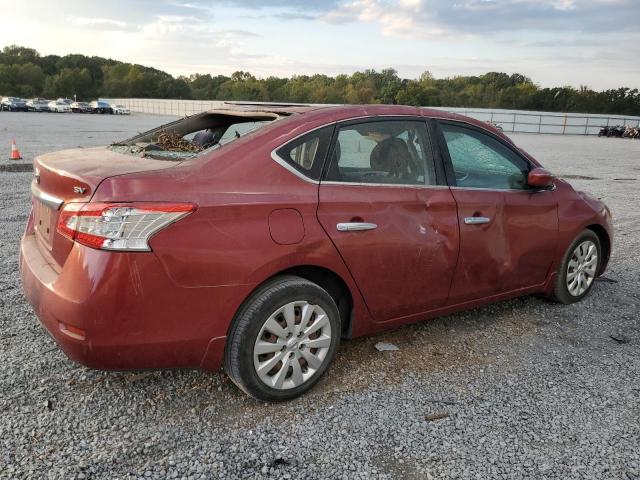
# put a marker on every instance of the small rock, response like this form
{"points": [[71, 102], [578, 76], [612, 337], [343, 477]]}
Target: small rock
{"points": [[386, 347]]}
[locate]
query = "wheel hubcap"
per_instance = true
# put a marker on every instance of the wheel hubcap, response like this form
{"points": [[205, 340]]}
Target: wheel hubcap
{"points": [[581, 269], [292, 345]]}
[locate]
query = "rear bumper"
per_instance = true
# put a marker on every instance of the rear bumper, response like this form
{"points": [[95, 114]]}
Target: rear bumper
{"points": [[120, 311], [38, 277]]}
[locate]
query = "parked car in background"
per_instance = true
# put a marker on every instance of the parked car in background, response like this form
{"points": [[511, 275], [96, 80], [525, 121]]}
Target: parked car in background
{"points": [[59, 107], [13, 104], [120, 109], [68, 101], [260, 253], [98, 106], [38, 105], [80, 107]]}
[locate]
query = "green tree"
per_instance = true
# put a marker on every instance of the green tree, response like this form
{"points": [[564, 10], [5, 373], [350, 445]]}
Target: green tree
{"points": [[24, 72]]}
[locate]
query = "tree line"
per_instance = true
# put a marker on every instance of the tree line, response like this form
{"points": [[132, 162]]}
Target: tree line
{"points": [[25, 73]]}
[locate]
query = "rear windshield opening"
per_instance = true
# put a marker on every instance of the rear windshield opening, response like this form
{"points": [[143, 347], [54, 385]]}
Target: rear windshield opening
{"points": [[188, 137]]}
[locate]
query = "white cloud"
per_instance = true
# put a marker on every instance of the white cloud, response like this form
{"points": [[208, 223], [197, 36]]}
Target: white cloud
{"points": [[552, 41], [396, 20], [96, 22]]}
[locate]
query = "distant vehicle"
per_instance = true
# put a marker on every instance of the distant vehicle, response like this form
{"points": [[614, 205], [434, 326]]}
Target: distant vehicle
{"points": [[80, 107], [631, 132], [38, 105], [100, 107], [68, 101], [59, 107], [120, 109], [607, 131], [13, 104]]}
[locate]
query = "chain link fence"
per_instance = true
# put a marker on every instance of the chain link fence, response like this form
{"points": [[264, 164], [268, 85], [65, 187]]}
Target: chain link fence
{"points": [[511, 121], [520, 121]]}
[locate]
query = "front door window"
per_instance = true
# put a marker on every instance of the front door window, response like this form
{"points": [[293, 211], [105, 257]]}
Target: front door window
{"points": [[480, 161]]}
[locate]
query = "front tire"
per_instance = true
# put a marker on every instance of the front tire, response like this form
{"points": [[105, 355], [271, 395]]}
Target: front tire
{"points": [[579, 268], [283, 339]]}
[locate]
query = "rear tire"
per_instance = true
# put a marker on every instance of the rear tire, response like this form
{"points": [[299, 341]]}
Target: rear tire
{"points": [[283, 339], [579, 268]]}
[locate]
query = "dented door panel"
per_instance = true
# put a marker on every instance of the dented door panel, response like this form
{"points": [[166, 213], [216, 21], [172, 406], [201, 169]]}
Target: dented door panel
{"points": [[514, 249], [404, 265]]}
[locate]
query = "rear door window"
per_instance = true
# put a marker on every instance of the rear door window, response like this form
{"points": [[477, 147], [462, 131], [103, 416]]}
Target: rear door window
{"points": [[395, 152]]}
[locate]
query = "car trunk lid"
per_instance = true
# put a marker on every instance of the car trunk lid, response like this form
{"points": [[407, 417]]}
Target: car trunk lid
{"points": [[73, 176]]}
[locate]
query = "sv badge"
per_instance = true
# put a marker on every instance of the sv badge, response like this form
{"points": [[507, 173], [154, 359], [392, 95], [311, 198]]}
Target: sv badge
{"points": [[79, 190]]}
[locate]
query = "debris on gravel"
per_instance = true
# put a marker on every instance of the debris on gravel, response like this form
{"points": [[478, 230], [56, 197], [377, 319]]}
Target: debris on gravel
{"points": [[386, 347], [619, 339], [436, 416]]}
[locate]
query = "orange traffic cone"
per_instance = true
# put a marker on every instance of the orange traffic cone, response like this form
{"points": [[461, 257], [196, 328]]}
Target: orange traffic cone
{"points": [[15, 153]]}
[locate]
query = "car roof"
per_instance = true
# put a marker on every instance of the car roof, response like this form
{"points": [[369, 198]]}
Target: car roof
{"points": [[318, 114], [281, 109]]}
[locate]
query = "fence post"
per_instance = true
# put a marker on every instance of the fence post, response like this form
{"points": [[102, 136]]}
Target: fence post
{"points": [[539, 123], [564, 126]]}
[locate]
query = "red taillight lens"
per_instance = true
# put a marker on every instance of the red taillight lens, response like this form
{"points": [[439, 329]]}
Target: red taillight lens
{"points": [[121, 226]]}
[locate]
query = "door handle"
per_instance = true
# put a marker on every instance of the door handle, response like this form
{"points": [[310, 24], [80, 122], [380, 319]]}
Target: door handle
{"points": [[355, 226], [476, 220]]}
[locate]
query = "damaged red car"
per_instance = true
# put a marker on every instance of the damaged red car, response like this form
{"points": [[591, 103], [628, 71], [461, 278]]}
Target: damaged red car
{"points": [[253, 238]]}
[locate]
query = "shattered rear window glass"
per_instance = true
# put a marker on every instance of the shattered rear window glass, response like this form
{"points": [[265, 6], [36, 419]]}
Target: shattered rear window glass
{"points": [[156, 154], [187, 138]]}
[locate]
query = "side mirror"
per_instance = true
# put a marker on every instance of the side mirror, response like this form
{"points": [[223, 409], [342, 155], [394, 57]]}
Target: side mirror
{"points": [[540, 178]]}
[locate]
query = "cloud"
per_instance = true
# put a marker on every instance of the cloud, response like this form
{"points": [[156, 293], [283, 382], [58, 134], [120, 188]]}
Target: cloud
{"points": [[445, 18], [304, 5], [552, 41], [405, 18], [184, 44], [100, 23]]}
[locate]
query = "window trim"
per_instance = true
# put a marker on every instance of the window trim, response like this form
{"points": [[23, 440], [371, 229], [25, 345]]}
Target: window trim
{"points": [[388, 185], [448, 163], [283, 163], [287, 165], [386, 118], [432, 128]]}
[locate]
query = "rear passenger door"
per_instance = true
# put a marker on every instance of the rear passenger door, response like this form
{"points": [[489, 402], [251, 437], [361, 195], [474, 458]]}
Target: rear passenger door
{"points": [[508, 230], [392, 221]]}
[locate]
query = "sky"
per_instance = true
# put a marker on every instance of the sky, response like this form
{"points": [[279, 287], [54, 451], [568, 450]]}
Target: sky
{"points": [[595, 43]]}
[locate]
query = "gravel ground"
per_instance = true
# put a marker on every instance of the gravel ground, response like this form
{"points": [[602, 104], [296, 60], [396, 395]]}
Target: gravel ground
{"points": [[37, 133], [519, 389]]}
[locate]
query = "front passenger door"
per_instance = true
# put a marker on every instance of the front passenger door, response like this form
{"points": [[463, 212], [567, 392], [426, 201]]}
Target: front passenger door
{"points": [[508, 231]]}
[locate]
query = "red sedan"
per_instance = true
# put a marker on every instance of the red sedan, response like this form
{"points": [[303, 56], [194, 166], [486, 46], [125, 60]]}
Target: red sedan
{"points": [[258, 243]]}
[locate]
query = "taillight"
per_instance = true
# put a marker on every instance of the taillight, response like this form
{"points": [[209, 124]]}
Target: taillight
{"points": [[118, 226]]}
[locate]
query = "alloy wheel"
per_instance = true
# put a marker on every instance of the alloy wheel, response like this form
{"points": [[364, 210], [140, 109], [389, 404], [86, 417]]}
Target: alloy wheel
{"points": [[292, 345], [581, 269]]}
